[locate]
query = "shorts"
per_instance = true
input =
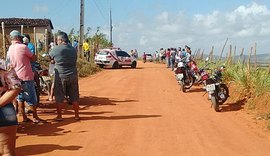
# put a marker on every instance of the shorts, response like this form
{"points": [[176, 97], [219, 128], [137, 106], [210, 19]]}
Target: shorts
{"points": [[86, 53], [28, 93], [8, 116], [66, 87]]}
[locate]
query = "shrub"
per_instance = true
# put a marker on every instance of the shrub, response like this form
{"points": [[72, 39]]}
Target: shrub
{"points": [[86, 68]]}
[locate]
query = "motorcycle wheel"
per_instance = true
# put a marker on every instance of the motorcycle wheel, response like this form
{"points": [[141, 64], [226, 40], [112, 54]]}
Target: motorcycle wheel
{"points": [[182, 86], [215, 103], [48, 86], [223, 89], [190, 84]]}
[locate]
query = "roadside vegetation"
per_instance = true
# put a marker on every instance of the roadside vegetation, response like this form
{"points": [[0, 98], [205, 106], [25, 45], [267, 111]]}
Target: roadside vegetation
{"points": [[96, 40], [249, 83]]}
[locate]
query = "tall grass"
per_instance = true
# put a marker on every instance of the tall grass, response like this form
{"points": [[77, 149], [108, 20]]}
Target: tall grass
{"points": [[254, 81]]}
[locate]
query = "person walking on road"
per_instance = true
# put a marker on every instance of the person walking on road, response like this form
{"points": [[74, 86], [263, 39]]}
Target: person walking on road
{"points": [[168, 55], [66, 78], [144, 57], [20, 59], [172, 57]]}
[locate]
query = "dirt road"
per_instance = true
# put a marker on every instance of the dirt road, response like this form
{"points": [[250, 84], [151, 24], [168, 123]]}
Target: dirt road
{"points": [[141, 112]]}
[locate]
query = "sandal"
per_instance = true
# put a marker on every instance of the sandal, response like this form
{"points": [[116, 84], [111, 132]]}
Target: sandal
{"points": [[58, 119], [49, 99], [39, 121], [27, 120]]}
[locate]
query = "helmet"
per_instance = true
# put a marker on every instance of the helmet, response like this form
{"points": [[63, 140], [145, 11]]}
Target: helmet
{"points": [[25, 40], [180, 64]]}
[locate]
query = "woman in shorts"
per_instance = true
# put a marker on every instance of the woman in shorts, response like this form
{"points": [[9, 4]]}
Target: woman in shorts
{"points": [[10, 87]]}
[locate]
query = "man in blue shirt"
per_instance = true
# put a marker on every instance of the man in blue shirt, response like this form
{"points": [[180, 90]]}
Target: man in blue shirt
{"points": [[75, 44]]}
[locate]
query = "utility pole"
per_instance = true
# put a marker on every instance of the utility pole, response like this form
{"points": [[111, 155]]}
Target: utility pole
{"points": [[111, 27], [81, 28]]}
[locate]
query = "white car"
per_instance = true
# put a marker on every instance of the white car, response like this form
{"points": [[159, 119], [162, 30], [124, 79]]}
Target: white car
{"points": [[149, 57], [114, 58]]}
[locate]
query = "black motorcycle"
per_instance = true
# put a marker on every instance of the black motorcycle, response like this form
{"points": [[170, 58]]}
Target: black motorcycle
{"points": [[43, 81], [184, 76], [218, 91]]}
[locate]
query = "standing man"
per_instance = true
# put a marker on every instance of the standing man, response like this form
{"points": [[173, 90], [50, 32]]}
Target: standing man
{"points": [[34, 64], [75, 44], [168, 55], [66, 78], [20, 58], [172, 57], [86, 50]]}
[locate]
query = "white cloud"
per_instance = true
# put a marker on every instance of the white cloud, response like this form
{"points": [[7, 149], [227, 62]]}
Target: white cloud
{"points": [[40, 8], [243, 26], [143, 40], [163, 17], [253, 9]]}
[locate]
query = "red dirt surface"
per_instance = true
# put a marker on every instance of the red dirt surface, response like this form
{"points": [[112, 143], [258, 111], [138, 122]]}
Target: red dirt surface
{"points": [[141, 112]]}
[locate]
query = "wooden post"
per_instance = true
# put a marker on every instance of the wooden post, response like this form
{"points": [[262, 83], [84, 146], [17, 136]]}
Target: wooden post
{"points": [[211, 54], [35, 42], [54, 38], [81, 39], [269, 68], [249, 59], [234, 55], [230, 55], [21, 29], [223, 49], [241, 55], [4, 40], [202, 55], [46, 41], [198, 54], [255, 55]]}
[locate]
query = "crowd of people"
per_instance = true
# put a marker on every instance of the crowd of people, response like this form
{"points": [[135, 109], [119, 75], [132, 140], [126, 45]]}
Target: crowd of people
{"points": [[17, 84], [134, 53], [171, 56]]}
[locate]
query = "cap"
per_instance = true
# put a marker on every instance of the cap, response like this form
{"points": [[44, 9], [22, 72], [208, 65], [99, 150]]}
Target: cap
{"points": [[15, 33], [25, 39]]}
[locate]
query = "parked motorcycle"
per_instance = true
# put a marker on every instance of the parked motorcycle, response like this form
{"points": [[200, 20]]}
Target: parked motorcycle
{"points": [[44, 81], [184, 76], [218, 91]]}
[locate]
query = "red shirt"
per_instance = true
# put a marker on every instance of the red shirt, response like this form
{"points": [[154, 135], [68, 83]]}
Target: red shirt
{"points": [[168, 53]]}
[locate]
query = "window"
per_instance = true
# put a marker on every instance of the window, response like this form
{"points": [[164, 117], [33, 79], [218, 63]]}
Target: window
{"points": [[103, 53], [122, 53]]}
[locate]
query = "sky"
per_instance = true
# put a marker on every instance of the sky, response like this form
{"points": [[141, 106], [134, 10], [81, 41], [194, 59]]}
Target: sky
{"points": [[148, 25]]}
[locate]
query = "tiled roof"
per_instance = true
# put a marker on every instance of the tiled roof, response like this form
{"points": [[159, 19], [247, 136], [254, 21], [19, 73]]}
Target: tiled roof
{"points": [[26, 22]]}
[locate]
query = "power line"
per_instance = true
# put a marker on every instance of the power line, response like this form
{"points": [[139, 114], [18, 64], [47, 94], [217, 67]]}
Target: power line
{"points": [[100, 11]]}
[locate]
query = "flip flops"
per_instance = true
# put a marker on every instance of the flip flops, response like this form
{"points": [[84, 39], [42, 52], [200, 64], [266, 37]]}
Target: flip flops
{"points": [[58, 119], [39, 121], [27, 120]]}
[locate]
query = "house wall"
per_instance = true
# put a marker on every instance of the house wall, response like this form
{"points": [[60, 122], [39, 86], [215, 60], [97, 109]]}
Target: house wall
{"points": [[40, 35]]}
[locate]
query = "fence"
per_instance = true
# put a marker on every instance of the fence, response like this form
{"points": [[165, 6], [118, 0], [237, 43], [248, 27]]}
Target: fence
{"points": [[5, 41]]}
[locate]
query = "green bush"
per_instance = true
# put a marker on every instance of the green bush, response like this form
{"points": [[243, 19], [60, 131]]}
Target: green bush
{"points": [[86, 68]]}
